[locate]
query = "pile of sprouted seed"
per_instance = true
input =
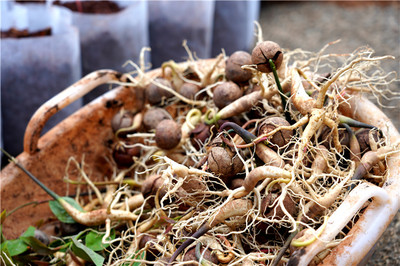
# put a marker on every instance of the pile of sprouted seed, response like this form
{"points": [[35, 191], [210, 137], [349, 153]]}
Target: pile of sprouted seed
{"points": [[236, 160]]}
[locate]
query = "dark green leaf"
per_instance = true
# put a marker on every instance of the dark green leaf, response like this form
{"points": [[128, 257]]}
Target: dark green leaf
{"points": [[93, 240], [86, 253], [4, 246], [61, 213], [29, 232], [37, 246], [18, 246]]}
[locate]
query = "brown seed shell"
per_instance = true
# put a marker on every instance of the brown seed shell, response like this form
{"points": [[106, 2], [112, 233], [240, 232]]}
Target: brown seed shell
{"points": [[151, 185], [151, 247], [199, 135], [123, 156], [226, 93], [265, 51], [276, 211], [363, 139], [154, 116], [282, 137], [155, 94], [233, 68], [223, 162], [189, 90], [327, 140], [168, 134], [123, 119]]}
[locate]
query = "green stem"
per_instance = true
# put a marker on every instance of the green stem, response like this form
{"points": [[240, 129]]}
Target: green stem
{"points": [[48, 191], [278, 84], [354, 123], [22, 206], [213, 120]]}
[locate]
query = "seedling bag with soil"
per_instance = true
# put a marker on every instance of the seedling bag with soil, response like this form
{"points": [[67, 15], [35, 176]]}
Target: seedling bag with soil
{"points": [[33, 69], [109, 37]]}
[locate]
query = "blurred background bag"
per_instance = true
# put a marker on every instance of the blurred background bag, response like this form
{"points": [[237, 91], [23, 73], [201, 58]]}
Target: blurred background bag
{"points": [[233, 27], [34, 69], [208, 26], [171, 22], [111, 32]]}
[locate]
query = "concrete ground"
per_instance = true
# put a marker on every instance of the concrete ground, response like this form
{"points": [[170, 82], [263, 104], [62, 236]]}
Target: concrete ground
{"points": [[311, 25]]}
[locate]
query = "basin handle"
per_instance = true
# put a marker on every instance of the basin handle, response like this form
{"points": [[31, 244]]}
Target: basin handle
{"points": [[61, 100]]}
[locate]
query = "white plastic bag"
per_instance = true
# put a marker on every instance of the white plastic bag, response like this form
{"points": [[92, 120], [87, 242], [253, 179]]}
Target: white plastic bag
{"points": [[109, 40], [34, 69], [234, 26], [172, 22]]}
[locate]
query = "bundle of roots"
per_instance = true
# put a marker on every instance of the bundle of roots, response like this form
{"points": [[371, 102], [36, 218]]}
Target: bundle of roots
{"points": [[238, 162]]}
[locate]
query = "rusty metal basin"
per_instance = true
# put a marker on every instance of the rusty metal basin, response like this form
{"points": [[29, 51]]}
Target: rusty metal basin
{"points": [[87, 133]]}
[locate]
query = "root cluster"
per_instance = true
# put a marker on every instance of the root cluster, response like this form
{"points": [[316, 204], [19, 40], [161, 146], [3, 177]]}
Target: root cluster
{"points": [[234, 194]]}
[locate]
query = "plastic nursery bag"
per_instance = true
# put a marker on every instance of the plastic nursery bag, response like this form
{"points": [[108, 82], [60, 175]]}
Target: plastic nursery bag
{"points": [[34, 69], [172, 22], [109, 40], [234, 26]]}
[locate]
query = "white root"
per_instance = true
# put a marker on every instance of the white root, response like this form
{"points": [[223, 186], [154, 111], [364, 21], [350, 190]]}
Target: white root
{"points": [[96, 217], [263, 172], [300, 99]]}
